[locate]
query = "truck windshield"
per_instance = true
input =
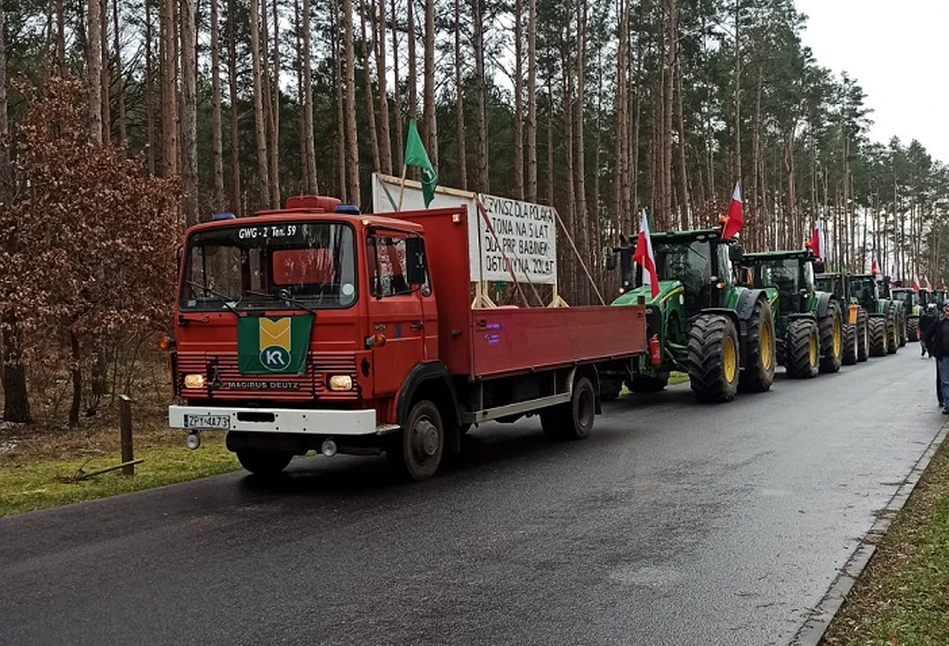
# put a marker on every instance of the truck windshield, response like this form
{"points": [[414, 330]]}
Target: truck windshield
{"points": [[782, 274], [270, 265]]}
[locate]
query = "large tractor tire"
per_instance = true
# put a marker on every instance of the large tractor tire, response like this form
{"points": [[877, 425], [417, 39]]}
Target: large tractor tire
{"points": [[610, 389], [894, 332], [912, 328], [879, 336], [574, 419], [832, 338], [713, 358], [904, 331], [803, 349], [758, 374], [640, 384], [863, 337], [850, 344]]}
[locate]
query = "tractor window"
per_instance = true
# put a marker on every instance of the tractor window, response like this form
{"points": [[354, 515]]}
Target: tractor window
{"points": [[808, 277], [782, 274], [689, 263], [726, 272]]}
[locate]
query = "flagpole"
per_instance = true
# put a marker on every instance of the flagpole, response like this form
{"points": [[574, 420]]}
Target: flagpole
{"points": [[405, 169]]}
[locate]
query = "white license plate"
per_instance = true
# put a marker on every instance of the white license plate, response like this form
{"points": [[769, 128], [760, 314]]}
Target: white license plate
{"points": [[208, 421]]}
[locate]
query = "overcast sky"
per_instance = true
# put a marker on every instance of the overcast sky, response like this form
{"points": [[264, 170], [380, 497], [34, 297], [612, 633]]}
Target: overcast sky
{"points": [[899, 53]]}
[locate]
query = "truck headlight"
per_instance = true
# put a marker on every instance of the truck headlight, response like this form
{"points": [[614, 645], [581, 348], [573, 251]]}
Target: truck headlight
{"points": [[194, 381], [341, 382]]}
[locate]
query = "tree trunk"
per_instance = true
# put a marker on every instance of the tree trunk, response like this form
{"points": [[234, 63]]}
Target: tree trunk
{"points": [[532, 100], [385, 139], [94, 69], [431, 124], [169, 88], [61, 37], [581, 226], [460, 104], [312, 183], [263, 157], [340, 109], [149, 90], [217, 138], [550, 142], [621, 167], [76, 372], [684, 202], [367, 83], [350, 84], [672, 39], [275, 112], [396, 96], [413, 65], [518, 101], [189, 114], [104, 73], [119, 73], [234, 110], [736, 160], [484, 180]]}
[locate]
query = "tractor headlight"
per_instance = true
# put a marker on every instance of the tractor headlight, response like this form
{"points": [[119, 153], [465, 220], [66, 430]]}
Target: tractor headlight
{"points": [[341, 382], [194, 381]]}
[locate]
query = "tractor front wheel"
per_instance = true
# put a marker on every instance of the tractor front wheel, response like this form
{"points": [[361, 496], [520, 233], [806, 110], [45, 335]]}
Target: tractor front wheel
{"points": [[850, 344], [803, 349], [863, 337], [912, 328], [831, 338], [758, 374], [904, 333], [894, 333], [713, 358], [879, 336]]}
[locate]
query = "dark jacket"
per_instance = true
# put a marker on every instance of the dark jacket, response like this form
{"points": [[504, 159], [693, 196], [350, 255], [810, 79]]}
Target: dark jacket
{"points": [[926, 321], [937, 338]]}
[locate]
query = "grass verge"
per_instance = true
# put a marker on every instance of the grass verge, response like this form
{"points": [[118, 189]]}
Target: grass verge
{"points": [[902, 597], [51, 483]]}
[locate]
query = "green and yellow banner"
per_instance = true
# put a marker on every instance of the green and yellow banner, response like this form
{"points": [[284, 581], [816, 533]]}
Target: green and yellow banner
{"points": [[268, 345]]}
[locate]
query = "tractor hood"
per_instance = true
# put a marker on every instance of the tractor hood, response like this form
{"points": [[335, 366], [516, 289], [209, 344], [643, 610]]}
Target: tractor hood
{"points": [[667, 289]]}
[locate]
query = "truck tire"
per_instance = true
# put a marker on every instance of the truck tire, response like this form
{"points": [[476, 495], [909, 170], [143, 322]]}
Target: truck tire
{"points": [[803, 349], [641, 384], [610, 389], [574, 419], [831, 338], [264, 463], [850, 345], [416, 451], [879, 336], [758, 374], [863, 337], [713, 358], [912, 328]]}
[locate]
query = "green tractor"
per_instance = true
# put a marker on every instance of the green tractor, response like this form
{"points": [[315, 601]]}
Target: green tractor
{"points": [[810, 323], [857, 318], [883, 314], [913, 305], [902, 312], [702, 322]]}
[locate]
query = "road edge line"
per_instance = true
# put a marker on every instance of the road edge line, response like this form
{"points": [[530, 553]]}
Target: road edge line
{"points": [[819, 618]]}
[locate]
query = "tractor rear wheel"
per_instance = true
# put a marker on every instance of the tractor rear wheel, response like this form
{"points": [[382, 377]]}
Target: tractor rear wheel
{"points": [[640, 384], [863, 337], [831, 338], [912, 328], [713, 358], [758, 374], [850, 344], [803, 349], [904, 333], [879, 336], [894, 332]]}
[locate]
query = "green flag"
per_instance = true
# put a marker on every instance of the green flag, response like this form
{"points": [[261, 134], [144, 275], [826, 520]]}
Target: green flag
{"points": [[416, 156], [273, 345]]}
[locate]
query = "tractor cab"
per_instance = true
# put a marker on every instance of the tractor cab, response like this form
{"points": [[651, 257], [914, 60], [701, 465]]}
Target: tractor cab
{"points": [[865, 290], [790, 272], [834, 283], [910, 298]]}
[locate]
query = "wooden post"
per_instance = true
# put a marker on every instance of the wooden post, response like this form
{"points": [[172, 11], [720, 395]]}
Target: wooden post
{"points": [[405, 170], [125, 426]]}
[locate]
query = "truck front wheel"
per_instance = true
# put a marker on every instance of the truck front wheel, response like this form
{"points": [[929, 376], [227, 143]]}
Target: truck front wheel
{"points": [[416, 451], [573, 420], [264, 463]]}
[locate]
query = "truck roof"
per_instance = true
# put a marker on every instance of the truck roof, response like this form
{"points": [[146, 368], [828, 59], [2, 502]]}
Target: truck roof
{"points": [[303, 214]]}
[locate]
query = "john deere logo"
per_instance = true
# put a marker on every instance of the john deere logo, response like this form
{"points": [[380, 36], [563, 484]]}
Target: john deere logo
{"points": [[275, 343]]}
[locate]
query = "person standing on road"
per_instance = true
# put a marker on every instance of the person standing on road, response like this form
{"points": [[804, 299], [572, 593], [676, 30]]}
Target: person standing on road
{"points": [[937, 343], [926, 321]]}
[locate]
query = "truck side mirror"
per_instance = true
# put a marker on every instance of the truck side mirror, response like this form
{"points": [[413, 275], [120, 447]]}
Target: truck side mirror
{"points": [[819, 267], [415, 260], [611, 262]]}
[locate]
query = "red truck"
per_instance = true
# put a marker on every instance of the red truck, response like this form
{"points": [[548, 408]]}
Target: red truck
{"points": [[316, 327]]}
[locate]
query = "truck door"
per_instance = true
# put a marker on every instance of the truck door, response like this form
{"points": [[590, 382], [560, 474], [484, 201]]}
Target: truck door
{"points": [[395, 312]]}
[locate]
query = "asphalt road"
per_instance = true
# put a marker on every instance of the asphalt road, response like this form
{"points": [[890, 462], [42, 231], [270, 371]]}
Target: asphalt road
{"points": [[673, 524]]}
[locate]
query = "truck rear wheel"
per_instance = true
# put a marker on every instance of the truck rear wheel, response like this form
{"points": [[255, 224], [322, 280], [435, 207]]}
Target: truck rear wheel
{"points": [[803, 349], [879, 336], [863, 337], [912, 328], [758, 374], [264, 463], [850, 345], [416, 451], [831, 338], [573, 420], [713, 358]]}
